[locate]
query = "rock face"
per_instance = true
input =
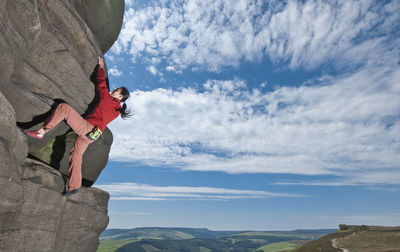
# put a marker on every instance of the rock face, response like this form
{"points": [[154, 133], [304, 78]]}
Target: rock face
{"points": [[47, 221], [13, 151], [49, 49], [106, 28], [48, 53], [344, 227]]}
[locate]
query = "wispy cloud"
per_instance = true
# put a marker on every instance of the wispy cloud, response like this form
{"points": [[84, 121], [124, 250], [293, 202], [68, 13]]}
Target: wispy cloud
{"points": [[212, 34], [346, 126], [115, 72], [133, 191], [367, 179]]}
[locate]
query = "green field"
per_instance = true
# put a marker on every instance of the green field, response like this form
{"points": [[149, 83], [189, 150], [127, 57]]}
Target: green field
{"points": [[278, 246], [112, 245]]}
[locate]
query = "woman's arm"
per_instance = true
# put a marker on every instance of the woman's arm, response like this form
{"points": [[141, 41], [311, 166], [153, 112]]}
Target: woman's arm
{"points": [[101, 80]]}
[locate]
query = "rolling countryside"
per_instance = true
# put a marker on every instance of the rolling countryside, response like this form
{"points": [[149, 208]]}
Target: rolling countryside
{"points": [[203, 240]]}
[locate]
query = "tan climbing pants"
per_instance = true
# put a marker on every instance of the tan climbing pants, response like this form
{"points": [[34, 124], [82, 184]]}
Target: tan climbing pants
{"points": [[81, 127]]}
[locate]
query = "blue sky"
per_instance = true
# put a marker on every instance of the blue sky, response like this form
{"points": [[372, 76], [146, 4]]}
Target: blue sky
{"points": [[256, 115]]}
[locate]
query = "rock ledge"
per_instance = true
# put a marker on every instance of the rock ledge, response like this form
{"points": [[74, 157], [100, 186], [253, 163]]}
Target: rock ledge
{"points": [[57, 223]]}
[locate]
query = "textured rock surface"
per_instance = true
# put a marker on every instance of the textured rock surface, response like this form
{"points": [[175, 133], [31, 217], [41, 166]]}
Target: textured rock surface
{"points": [[104, 17], [48, 51], [47, 221], [52, 57], [13, 151]]}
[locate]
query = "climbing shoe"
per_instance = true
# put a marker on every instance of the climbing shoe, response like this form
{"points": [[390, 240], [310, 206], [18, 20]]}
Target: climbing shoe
{"points": [[33, 133], [68, 193]]}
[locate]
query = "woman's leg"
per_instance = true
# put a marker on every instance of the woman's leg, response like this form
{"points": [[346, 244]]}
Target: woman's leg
{"points": [[73, 119], [75, 162], [81, 127]]}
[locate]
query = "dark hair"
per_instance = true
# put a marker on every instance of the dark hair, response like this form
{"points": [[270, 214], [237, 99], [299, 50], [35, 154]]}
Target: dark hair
{"points": [[125, 95]]}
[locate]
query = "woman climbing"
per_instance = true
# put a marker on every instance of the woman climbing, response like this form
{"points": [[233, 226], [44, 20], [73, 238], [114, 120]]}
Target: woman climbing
{"points": [[88, 129]]}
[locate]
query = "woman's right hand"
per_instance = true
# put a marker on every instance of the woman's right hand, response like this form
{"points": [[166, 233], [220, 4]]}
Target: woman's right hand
{"points": [[101, 62]]}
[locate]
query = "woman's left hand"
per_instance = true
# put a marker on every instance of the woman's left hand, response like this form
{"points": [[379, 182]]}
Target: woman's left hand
{"points": [[101, 62]]}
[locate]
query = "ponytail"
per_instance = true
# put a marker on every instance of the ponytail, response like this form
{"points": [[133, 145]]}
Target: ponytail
{"points": [[125, 113]]}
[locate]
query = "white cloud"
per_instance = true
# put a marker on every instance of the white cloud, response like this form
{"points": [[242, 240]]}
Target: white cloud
{"points": [[354, 179], [346, 126], [109, 57], [115, 72], [152, 70], [133, 191], [129, 2], [172, 69], [212, 34]]}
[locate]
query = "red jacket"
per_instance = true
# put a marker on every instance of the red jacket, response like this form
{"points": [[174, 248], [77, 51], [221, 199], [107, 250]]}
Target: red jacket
{"points": [[108, 108]]}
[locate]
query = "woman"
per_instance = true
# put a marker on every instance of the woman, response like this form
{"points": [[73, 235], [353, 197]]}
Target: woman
{"points": [[89, 128]]}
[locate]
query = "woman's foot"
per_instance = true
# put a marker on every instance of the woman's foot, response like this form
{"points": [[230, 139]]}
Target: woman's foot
{"points": [[38, 134]]}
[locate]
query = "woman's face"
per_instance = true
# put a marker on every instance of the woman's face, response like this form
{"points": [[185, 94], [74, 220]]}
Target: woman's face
{"points": [[116, 93]]}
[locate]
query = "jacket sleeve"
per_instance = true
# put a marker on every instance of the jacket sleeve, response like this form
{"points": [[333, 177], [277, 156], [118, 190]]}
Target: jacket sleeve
{"points": [[101, 84]]}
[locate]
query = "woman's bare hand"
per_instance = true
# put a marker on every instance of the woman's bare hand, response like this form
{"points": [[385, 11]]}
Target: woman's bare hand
{"points": [[101, 62]]}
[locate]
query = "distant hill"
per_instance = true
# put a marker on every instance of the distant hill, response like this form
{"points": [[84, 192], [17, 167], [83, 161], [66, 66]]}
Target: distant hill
{"points": [[202, 233], [163, 233], [356, 239], [200, 239]]}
